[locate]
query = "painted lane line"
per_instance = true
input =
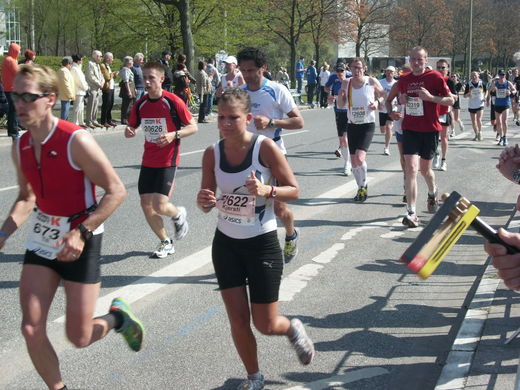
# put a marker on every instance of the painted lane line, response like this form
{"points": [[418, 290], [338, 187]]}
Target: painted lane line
{"points": [[8, 188], [340, 380]]}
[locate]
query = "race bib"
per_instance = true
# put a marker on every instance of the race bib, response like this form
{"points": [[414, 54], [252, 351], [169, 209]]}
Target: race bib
{"points": [[475, 92], [502, 93], [414, 106], [358, 114], [46, 231], [153, 128], [238, 209]]}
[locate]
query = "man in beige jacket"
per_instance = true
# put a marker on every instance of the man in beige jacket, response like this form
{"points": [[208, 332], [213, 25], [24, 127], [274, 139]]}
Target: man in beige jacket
{"points": [[66, 87], [95, 82]]}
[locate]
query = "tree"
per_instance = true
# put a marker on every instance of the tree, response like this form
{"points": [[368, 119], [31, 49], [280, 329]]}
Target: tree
{"points": [[363, 21]]}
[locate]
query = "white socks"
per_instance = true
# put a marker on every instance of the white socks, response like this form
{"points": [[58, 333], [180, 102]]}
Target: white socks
{"points": [[360, 173]]}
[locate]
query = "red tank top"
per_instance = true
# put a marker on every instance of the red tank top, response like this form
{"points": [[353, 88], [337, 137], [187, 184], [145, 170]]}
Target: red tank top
{"points": [[61, 189]]}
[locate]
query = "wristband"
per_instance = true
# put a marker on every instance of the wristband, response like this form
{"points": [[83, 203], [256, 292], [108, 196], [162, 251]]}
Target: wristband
{"points": [[272, 194]]}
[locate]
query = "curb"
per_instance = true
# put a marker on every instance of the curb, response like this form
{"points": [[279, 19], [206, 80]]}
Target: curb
{"points": [[458, 365]]}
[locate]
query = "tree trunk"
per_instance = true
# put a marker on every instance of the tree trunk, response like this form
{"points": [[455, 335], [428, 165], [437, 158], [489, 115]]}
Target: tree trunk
{"points": [[187, 36]]}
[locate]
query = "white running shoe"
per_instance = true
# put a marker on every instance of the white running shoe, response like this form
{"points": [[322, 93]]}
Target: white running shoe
{"points": [[252, 384], [444, 166], [347, 169], [180, 224], [386, 152], [301, 342], [411, 220], [461, 125], [164, 249], [436, 161]]}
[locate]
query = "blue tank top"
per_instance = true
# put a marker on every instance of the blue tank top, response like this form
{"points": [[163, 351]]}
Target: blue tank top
{"points": [[502, 98]]}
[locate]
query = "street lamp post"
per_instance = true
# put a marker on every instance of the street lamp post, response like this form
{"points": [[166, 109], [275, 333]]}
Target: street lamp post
{"points": [[470, 36]]}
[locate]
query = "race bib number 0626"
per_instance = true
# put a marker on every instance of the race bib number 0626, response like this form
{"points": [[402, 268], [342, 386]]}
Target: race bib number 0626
{"points": [[153, 128]]}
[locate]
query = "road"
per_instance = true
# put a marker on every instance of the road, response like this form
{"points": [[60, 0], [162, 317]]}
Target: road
{"points": [[375, 325]]}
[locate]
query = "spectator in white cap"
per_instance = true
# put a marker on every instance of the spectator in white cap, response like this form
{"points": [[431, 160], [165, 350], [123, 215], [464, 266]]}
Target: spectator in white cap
{"points": [[232, 78], [385, 121]]}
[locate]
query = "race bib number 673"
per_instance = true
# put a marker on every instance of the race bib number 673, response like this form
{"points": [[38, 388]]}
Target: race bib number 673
{"points": [[45, 231]]}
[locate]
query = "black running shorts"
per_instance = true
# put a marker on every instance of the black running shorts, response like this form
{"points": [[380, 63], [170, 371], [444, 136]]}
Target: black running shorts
{"points": [[360, 136], [501, 109], [256, 261], [85, 269], [475, 110], [156, 180], [383, 118], [447, 120], [341, 122], [423, 144]]}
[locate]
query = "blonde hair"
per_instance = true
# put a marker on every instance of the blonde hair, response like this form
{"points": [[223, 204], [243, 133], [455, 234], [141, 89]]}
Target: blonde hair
{"points": [[235, 96], [45, 77]]}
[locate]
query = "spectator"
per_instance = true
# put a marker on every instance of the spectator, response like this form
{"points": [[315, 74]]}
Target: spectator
{"points": [[233, 76], [300, 74], [203, 86], [168, 75], [66, 87], [108, 90], [81, 86], [29, 57], [127, 90], [95, 81], [181, 84], [324, 77], [9, 69], [311, 83], [214, 77], [137, 70]]}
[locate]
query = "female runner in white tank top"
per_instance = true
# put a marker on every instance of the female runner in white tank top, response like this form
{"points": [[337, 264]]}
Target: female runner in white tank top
{"points": [[250, 172], [362, 95]]}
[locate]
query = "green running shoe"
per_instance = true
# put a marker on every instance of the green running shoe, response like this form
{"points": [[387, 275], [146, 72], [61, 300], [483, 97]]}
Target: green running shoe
{"points": [[132, 329]]}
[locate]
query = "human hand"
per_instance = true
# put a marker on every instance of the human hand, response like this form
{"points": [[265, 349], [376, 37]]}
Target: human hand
{"points": [[129, 132], [508, 266], [255, 186], [206, 199], [73, 245]]}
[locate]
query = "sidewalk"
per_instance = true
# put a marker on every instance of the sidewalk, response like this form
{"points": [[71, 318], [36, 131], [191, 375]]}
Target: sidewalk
{"points": [[480, 359]]}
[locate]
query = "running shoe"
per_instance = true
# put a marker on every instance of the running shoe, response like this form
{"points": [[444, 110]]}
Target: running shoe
{"points": [[504, 141], [479, 136], [301, 342], [291, 248], [436, 161], [444, 166], [347, 170], [337, 152], [475, 138], [517, 122], [252, 384], [432, 203], [362, 194], [461, 125], [404, 198], [164, 249], [386, 152], [132, 329], [180, 224], [498, 138], [411, 220], [500, 141], [452, 133]]}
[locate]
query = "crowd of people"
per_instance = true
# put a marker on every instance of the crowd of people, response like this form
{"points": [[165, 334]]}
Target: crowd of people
{"points": [[246, 177]]}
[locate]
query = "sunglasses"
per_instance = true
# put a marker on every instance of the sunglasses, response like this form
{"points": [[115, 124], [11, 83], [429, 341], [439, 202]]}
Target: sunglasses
{"points": [[27, 97]]}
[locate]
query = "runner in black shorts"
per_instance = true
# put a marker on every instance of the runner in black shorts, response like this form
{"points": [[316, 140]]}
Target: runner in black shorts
{"points": [[361, 95], [57, 182], [164, 119], [246, 253]]}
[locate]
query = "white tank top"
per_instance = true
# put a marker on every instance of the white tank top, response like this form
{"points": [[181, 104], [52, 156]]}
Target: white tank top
{"points": [[387, 86], [226, 84], [358, 103], [238, 217], [476, 95]]}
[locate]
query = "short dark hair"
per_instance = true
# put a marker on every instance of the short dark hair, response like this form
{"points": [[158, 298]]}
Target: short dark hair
{"points": [[154, 65], [77, 57], [202, 64], [252, 54]]}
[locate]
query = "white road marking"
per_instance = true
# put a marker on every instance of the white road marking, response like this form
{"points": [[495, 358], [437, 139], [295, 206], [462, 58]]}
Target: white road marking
{"points": [[8, 188], [340, 380]]}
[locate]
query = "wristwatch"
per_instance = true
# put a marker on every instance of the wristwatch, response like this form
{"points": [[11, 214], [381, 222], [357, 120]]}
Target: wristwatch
{"points": [[85, 233], [516, 176], [272, 194], [271, 123], [177, 135]]}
